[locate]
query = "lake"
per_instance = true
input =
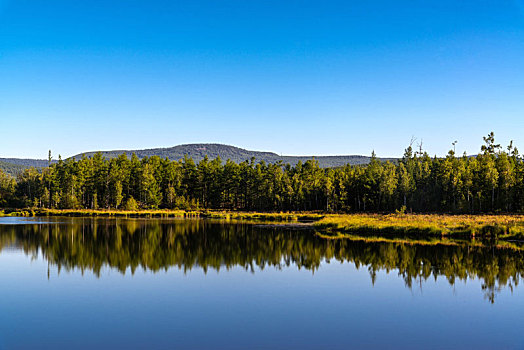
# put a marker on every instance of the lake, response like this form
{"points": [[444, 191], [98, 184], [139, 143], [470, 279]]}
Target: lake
{"points": [[203, 284]]}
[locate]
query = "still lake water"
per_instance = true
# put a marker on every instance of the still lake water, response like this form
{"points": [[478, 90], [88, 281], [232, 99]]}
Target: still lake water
{"points": [[197, 284]]}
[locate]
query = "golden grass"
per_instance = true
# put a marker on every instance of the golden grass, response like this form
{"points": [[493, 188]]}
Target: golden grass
{"points": [[117, 213], [507, 227], [18, 213], [166, 213], [502, 226], [256, 216]]}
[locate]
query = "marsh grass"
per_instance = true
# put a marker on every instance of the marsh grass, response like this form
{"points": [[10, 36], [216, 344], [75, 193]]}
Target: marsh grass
{"points": [[117, 213], [265, 217], [398, 225], [24, 213], [419, 225], [166, 213]]}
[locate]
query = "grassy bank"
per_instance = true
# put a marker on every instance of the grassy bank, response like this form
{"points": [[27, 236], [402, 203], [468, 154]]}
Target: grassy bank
{"points": [[100, 213], [165, 213], [287, 217], [507, 227], [417, 225]]}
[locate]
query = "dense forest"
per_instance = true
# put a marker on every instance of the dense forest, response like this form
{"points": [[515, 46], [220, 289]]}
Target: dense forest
{"points": [[491, 181]]}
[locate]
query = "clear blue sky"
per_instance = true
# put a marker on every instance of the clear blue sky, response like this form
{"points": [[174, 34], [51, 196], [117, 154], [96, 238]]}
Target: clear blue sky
{"points": [[294, 77]]}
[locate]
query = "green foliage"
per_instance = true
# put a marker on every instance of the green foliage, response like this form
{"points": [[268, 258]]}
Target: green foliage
{"points": [[7, 189], [131, 204], [402, 210]]}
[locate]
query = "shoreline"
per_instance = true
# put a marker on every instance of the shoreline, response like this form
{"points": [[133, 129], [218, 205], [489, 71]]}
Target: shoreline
{"points": [[499, 226], [167, 213]]}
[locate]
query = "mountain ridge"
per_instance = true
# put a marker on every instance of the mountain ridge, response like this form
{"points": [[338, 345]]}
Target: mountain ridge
{"points": [[198, 151]]}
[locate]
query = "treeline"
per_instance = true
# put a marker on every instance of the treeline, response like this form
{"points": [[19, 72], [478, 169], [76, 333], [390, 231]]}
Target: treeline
{"points": [[489, 182]]}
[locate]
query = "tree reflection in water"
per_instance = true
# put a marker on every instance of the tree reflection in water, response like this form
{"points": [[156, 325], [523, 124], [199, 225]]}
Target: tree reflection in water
{"points": [[127, 244]]}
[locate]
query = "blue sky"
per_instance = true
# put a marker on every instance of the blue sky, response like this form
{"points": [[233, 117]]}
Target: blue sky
{"points": [[293, 77]]}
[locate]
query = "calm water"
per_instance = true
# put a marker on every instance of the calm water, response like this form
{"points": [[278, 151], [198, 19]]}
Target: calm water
{"points": [[194, 284]]}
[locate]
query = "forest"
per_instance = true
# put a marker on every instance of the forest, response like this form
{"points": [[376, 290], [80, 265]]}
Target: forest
{"points": [[491, 181]]}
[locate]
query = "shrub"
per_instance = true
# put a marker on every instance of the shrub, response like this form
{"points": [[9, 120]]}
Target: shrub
{"points": [[131, 204]]}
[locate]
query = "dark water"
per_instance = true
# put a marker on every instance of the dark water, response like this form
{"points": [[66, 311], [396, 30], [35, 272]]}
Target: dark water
{"points": [[193, 284]]}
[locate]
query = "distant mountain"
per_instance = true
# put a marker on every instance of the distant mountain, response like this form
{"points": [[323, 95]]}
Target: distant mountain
{"points": [[27, 163], [11, 169], [14, 166], [236, 154]]}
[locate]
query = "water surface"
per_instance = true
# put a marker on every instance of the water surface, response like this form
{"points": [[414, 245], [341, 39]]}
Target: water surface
{"points": [[197, 284]]}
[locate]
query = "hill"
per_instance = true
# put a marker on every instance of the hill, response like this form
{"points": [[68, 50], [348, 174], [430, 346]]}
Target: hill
{"points": [[27, 163], [198, 151], [11, 169], [236, 154], [14, 166]]}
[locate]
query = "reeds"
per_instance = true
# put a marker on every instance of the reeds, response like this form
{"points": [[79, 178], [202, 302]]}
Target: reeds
{"points": [[167, 213], [500, 226], [256, 216]]}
